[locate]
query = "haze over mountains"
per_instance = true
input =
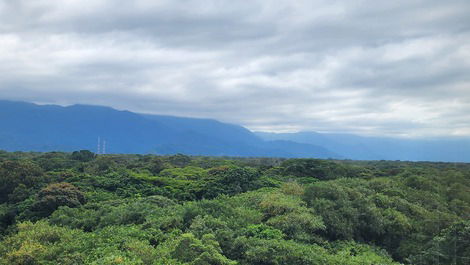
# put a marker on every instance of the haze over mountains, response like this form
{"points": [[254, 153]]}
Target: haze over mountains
{"points": [[31, 127], [381, 148]]}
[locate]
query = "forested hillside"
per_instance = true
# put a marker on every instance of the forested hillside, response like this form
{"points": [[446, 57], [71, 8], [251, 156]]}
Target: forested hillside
{"points": [[30, 127], [80, 208]]}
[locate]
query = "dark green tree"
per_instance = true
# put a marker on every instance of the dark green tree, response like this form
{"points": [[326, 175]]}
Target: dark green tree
{"points": [[16, 172], [55, 195], [83, 155]]}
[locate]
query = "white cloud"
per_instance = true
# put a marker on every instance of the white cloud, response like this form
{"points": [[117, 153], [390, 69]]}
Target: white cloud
{"points": [[396, 68]]}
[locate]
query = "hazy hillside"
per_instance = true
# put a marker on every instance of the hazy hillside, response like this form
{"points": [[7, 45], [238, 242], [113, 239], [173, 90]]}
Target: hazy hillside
{"points": [[30, 127], [376, 148]]}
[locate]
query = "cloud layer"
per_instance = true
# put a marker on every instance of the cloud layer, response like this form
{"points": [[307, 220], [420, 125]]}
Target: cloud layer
{"points": [[397, 68]]}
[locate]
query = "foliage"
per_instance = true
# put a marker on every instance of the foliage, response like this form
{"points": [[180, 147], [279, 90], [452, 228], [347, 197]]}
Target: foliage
{"points": [[83, 156], [13, 174], [80, 208], [55, 195], [451, 246]]}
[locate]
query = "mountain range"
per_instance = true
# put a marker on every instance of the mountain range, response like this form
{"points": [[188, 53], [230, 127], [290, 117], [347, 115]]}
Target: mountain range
{"points": [[31, 127], [350, 146]]}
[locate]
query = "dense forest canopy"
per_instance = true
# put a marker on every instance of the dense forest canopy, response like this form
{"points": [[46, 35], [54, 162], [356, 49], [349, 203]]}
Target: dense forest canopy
{"points": [[83, 208]]}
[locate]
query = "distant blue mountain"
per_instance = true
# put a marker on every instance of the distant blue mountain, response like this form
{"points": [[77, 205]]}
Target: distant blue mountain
{"points": [[380, 148], [31, 127]]}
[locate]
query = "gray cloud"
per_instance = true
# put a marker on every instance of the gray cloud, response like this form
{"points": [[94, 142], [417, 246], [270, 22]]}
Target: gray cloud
{"points": [[398, 68]]}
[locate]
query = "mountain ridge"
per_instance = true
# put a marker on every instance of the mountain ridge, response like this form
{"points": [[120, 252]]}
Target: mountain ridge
{"points": [[452, 149], [31, 127]]}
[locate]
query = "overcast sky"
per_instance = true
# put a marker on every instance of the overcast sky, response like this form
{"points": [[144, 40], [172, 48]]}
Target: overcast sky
{"points": [[396, 68]]}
